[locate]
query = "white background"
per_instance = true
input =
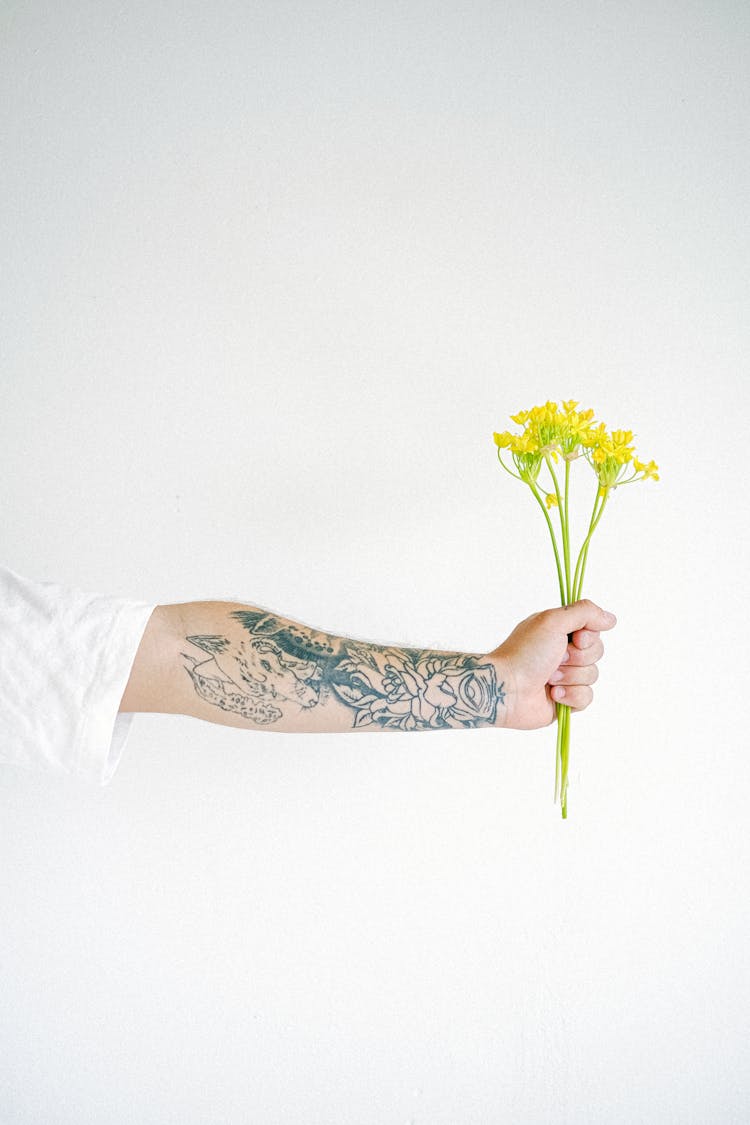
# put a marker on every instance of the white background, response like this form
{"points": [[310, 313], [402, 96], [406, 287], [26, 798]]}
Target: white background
{"points": [[272, 274]]}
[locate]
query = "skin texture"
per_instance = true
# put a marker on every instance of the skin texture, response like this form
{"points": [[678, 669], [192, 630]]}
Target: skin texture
{"points": [[243, 666]]}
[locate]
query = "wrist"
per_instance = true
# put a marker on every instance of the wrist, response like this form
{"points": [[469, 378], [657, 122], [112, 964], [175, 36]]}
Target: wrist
{"points": [[496, 674]]}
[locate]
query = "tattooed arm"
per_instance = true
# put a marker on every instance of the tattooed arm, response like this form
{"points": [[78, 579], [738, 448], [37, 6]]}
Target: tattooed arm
{"points": [[236, 664]]}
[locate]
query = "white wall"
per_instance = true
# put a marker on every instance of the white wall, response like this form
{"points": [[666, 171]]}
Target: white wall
{"points": [[271, 276]]}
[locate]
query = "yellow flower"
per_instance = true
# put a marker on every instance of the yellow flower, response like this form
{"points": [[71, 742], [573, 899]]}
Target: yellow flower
{"points": [[544, 415], [525, 443], [593, 437], [647, 470], [504, 440], [576, 428], [551, 500]]}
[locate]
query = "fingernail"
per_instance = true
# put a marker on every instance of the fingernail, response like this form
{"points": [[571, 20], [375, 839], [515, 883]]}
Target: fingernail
{"points": [[556, 677], [566, 657]]}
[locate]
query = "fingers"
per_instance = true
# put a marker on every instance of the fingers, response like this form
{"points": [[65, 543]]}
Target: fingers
{"points": [[570, 683], [583, 652], [583, 614], [577, 698], [581, 622], [575, 676]]}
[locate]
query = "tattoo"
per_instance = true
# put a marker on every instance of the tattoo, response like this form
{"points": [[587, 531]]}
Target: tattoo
{"points": [[264, 666]]}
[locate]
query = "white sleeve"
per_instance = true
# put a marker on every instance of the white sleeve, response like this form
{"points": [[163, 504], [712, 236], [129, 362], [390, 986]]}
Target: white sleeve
{"points": [[65, 659]]}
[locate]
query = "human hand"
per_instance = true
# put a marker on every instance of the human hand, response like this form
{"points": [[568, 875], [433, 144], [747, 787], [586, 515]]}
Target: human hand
{"points": [[550, 658]]}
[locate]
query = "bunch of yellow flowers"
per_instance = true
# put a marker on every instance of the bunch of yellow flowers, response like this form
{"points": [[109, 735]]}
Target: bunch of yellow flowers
{"points": [[551, 433]]}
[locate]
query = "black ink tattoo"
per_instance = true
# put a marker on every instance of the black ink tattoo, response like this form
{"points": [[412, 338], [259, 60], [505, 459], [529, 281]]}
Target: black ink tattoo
{"points": [[264, 662]]}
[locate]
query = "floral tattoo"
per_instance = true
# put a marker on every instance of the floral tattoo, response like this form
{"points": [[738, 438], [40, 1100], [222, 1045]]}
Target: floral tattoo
{"points": [[263, 666]]}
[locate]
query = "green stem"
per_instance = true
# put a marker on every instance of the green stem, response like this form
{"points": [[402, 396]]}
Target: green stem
{"points": [[565, 757], [583, 568], [567, 534], [506, 467], [563, 712], [564, 719], [565, 760], [562, 519], [584, 545], [545, 513], [562, 756], [584, 552]]}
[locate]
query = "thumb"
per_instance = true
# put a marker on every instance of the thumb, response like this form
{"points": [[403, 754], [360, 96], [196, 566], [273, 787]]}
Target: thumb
{"points": [[583, 614]]}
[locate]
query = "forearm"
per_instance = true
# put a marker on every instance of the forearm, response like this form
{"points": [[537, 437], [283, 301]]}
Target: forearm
{"points": [[236, 664]]}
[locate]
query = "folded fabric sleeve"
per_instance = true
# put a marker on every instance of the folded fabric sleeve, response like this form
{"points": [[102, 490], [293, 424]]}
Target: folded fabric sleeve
{"points": [[65, 659]]}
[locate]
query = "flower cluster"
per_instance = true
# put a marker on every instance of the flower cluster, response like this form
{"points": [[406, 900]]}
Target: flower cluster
{"points": [[550, 432]]}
